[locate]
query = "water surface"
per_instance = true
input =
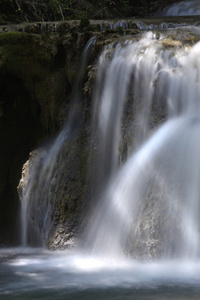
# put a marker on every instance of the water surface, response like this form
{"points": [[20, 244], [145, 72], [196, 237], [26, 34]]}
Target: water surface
{"points": [[39, 274]]}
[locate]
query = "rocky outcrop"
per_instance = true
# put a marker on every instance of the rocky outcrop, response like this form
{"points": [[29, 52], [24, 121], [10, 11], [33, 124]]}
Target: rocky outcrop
{"points": [[56, 205], [38, 63], [36, 75], [37, 72]]}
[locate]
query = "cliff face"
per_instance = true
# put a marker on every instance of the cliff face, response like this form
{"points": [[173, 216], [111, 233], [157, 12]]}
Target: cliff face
{"points": [[36, 74], [38, 63]]}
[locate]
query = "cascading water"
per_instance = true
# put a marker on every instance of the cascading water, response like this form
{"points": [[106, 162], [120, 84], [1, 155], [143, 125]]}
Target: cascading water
{"points": [[142, 240], [146, 183], [183, 8], [44, 165], [148, 207]]}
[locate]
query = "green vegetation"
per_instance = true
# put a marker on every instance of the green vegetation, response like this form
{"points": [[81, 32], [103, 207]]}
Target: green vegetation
{"points": [[15, 11], [57, 10]]}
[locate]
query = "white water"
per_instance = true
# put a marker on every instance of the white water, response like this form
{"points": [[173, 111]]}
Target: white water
{"points": [[150, 206], [43, 167], [146, 116], [38, 274], [183, 8]]}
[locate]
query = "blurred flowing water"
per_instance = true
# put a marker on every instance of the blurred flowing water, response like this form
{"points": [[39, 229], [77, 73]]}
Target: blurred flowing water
{"points": [[39, 274], [41, 173], [183, 8], [149, 205], [142, 240]]}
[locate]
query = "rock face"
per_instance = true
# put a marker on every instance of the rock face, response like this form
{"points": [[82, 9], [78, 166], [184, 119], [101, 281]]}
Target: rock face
{"points": [[38, 62], [36, 74], [57, 181], [37, 69], [55, 205]]}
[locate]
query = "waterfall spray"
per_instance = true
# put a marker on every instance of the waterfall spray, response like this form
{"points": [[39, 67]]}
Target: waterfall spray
{"points": [[145, 123], [148, 207]]}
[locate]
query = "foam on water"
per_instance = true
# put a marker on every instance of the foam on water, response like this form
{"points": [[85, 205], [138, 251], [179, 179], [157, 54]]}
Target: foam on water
{"points": [[43, 266]]}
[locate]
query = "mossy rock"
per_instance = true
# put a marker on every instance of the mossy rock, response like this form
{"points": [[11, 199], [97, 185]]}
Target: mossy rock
{"points": [[21, 55], [32, 91], [84, 23], [170, 43]]}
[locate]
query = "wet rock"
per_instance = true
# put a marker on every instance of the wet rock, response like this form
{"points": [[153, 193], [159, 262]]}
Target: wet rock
{"points": [[61, 199], [37, 71]]}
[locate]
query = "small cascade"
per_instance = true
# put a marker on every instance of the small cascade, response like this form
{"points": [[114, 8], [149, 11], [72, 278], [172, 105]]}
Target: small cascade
{"points": [[121, 24], [146, 117], [36, 206], [183, 8]]}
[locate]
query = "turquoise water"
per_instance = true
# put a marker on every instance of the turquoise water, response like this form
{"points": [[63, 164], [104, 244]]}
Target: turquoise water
{"points": [[39, 274]]}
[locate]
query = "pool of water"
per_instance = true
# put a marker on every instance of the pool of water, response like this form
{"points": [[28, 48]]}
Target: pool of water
{"points": [[39, 274]]}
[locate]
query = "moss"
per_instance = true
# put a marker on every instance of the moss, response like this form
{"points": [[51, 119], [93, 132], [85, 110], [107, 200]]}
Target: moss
{"points": [[13, 37], [35, 60], [20, 55], [171, 43], [84, 22], [32, 91]]}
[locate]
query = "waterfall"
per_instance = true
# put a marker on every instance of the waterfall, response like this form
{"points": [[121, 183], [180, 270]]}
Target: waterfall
{"points": [[183, 8], [44, 167], [146, 116], [146, 166]]}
